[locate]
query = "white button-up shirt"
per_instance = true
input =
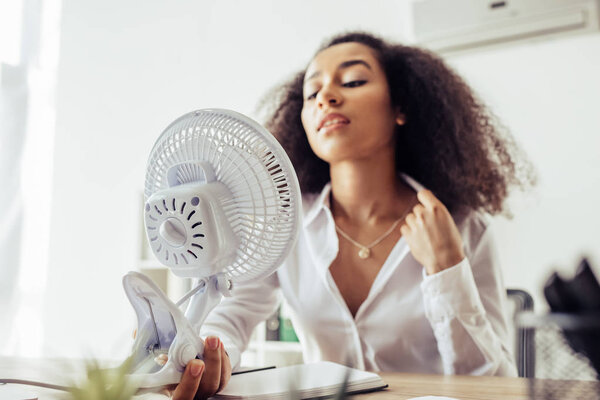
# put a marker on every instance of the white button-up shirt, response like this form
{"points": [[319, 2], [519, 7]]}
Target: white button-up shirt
{"points": [[452, 322]]}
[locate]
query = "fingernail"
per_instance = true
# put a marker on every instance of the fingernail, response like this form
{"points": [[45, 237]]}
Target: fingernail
{"points": [[197, 368], [213, 342]]}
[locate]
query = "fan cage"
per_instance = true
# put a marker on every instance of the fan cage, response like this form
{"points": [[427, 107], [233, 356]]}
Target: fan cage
{"points": [[265, 204]]}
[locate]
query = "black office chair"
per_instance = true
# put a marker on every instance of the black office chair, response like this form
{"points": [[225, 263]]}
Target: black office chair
{"points": [[524, 340]]}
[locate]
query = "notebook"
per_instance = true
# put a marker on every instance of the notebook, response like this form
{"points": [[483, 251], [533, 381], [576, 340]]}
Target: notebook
{"points": [[303, 381]]}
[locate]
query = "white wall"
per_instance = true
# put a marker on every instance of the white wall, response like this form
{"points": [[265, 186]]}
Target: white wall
{"points": [[548, 94], [127, 69]]}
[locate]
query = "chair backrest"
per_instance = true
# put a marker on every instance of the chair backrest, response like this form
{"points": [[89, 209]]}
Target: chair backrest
{"points": [[524, 340]]}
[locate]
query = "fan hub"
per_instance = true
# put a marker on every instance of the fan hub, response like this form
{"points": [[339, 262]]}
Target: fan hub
{"points": [[173, 232]]}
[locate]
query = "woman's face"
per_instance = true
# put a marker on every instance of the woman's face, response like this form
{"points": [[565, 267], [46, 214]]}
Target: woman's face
{"points": [[347, 112]]}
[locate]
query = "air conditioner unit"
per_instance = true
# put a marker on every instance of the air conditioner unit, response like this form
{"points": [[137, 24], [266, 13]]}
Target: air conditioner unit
{"points": [[449, 26]]}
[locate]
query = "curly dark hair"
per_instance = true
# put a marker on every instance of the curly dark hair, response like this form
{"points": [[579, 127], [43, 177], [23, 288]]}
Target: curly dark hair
{"points": [[450, 142]]}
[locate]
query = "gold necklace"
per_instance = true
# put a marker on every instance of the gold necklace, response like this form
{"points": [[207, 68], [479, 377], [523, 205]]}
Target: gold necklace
{"points": [[365, 251]]}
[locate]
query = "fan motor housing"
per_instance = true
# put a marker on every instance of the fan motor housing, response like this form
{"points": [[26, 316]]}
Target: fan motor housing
{"points": [[187, 229]]}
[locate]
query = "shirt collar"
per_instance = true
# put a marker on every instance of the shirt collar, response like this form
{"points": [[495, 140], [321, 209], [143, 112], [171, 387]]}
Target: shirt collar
{"points": [[315, 203]]}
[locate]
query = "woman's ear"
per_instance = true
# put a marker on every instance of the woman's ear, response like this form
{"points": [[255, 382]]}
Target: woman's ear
{"points": [[401, 119]]}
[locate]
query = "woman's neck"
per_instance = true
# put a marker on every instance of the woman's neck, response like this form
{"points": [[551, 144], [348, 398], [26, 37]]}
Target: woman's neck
{"points": [[368, 191]]}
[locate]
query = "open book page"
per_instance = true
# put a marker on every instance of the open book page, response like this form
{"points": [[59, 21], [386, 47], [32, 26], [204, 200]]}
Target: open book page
{"points": [[300, 381]]}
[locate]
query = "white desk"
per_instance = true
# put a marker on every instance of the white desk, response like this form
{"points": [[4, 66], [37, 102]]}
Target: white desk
{"points": [[401, 386]]}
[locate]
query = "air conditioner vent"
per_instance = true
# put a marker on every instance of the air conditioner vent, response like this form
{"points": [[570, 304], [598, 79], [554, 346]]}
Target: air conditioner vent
{"points": [[460, 25]]}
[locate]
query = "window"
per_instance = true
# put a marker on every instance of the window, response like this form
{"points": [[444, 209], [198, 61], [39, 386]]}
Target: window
{"points": [[11, 19], [29, 37]]}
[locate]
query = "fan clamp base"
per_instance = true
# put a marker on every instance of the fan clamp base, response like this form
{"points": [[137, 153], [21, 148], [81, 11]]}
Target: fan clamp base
{"points": [[164, 329]]}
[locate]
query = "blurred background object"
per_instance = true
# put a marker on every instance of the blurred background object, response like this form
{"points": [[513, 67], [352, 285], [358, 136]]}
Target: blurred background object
{"points": [[566, 342]]}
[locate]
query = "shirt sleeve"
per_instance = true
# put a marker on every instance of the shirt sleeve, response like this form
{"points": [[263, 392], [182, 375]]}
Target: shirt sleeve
{"points": [[465, 305], [235, 318]]}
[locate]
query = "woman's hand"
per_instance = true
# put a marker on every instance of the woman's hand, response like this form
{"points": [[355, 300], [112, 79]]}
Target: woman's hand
{"points": [[202, 379], [432, 235]]}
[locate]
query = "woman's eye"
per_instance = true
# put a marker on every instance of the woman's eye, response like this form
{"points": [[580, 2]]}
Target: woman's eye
{"points": [[352, 84], [312, 96]]}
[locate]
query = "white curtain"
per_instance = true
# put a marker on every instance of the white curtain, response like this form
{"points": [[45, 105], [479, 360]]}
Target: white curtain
{"points": [[27, 82]]}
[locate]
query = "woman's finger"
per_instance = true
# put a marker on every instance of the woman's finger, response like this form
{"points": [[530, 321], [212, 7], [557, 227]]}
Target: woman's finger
{"points": [[428, 199], [404, 230], [419, 211], [411, 221], [225, 368], [211, 379], [188, 385]]}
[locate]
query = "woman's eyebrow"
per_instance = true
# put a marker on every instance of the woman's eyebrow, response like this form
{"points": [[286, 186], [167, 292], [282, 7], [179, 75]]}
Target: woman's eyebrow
{"points": [[342, 65], [350, 63]]}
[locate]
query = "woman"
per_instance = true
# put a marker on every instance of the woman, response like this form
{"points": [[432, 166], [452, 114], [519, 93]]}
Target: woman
{"points": [[395, 269]]}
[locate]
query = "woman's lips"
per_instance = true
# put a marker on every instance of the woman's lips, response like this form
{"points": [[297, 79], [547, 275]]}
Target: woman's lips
{"points": [[332, 122], [333, 125]]}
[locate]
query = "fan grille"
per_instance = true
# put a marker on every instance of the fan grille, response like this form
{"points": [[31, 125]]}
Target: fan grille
{"points": [[264, 208]]}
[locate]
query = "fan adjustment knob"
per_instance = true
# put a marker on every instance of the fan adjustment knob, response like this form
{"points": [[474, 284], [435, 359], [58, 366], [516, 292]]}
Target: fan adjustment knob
{"points": [[172, 231], [184, 354]]}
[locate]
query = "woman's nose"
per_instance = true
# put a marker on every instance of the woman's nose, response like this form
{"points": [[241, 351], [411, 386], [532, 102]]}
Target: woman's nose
{"points": [[328, 97]]}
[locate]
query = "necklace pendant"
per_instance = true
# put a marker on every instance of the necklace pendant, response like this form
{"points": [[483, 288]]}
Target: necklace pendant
{"points": [[364, 253]]}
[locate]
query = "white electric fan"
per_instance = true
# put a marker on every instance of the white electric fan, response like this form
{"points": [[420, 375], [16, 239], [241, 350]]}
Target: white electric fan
{"points": [[222, 204]]}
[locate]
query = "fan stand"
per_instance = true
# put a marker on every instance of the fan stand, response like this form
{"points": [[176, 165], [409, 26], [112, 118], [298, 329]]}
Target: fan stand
{"points": [[165, 329]]}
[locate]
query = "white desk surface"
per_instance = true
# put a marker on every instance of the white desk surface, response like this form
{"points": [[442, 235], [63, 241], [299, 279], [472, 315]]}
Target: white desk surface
{"points": [[53, 371]]}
